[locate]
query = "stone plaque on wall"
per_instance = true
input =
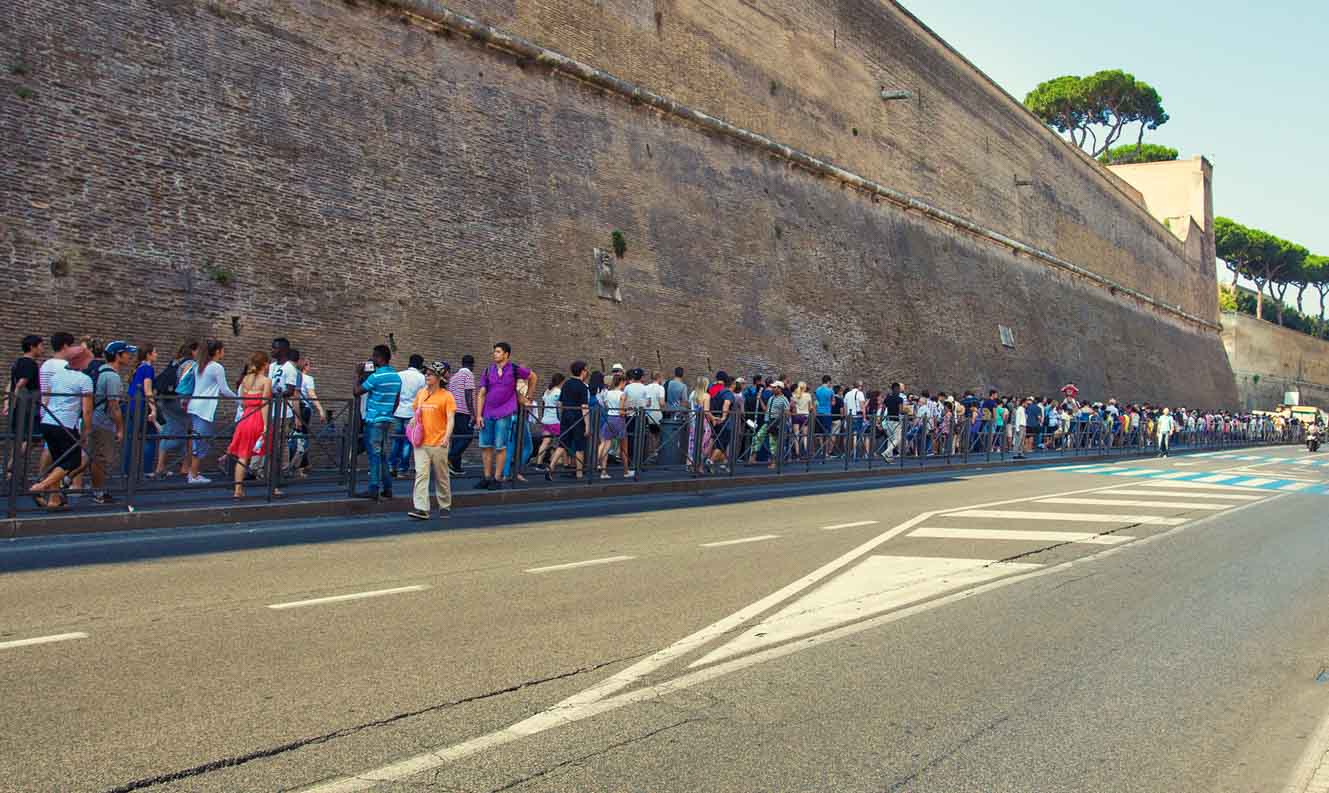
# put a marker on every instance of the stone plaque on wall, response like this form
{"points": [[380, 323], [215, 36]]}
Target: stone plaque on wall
{"points": [[606, 276]]}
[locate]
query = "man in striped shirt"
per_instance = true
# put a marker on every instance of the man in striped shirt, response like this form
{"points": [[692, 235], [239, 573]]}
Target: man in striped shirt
{"points": [[462, 388]]}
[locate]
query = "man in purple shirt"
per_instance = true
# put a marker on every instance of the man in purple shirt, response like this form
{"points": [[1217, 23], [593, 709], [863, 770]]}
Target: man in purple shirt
{"points": [[496, 411]]}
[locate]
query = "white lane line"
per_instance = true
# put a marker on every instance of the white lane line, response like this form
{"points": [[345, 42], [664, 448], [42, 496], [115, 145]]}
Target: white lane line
{"points": [[1139, 472], [1109, 502], [1258, 482], [1216, 478], [59, 637], [1085, 538], [295, 604], [1174, 474], [587, 563], [1069, 517], [740, 541], [1184, 465], [853, 525], [1140, 491], [604, 698]]}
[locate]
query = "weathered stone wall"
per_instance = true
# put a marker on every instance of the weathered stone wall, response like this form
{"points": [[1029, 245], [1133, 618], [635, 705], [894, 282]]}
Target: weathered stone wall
{"points": [[1269, 361], [350, 176]]}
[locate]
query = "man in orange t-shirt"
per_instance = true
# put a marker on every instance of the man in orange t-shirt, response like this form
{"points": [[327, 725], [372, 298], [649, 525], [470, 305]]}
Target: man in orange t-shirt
{"points": [[435, 409]]}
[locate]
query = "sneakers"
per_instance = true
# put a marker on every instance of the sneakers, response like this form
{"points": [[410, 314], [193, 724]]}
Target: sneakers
{"points": [[103, 498], [629, 474], [483, 484], [418, 514], [455, 471], [605, 475], [199, 480]]}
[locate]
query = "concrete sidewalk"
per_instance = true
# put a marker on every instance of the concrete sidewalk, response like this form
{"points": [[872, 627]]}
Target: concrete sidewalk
{"points": [[159, 508]]}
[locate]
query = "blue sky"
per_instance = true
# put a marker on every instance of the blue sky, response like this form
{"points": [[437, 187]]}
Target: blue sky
{"points": [[1245, 85]]}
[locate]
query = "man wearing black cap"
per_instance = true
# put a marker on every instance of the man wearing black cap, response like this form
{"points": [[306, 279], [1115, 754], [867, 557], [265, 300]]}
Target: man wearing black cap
{"points": [[721, 418]]}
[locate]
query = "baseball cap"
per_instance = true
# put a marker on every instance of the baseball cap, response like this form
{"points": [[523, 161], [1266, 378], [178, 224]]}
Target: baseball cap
{"points": [[618, 367], [117, 347], [439, 367], [778, 384]]}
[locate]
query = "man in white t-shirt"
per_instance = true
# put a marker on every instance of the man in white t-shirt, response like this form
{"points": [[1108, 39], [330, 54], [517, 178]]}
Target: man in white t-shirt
{"points": [[412, 380], [655, 400], [65, 423], [634, 396], [853, 407]]}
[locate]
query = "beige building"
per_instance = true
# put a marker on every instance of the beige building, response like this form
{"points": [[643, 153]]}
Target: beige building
{"points": [[1180, 194]]}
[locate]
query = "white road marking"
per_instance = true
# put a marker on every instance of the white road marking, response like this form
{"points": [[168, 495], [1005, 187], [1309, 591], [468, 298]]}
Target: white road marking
{"points": [[1258, 482], [1109, 502], [853, 525], [59, 637], [587, 563], [1295, 486], [875, 585], [1312, 772], [1199, 484], [740, 541], [1184, 465], [598, 699], [1173, 475], [295, 604], [1216, 478], [1138, 472], [1141, 491], [1069, 517], [1085, 538]]}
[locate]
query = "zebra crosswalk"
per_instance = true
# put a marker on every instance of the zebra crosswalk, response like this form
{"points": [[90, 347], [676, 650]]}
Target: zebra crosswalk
{"points": [[1160, 477]]}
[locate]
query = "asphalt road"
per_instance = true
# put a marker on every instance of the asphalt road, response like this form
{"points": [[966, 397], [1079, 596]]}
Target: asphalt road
{"points": [[1109, 628]]}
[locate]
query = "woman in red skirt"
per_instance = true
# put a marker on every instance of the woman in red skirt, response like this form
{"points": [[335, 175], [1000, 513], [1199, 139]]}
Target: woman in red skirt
{"points": [[251, 431]]}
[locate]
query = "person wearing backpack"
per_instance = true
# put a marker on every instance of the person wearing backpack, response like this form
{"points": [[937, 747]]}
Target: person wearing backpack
{"points": [[174, 387]]}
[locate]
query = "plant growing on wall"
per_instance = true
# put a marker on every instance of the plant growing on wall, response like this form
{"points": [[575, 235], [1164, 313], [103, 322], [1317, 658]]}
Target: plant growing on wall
{"points": [[620, 243], [218, 274], [1108, 102], [1136, 152]]}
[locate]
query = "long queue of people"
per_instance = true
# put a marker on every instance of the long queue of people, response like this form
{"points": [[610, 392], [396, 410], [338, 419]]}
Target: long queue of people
{"points": [[418, 422]]}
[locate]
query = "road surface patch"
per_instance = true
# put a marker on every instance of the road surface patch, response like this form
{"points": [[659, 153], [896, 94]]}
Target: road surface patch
{"points": [[1070, 517], [1085, 538], [1111, 502]]}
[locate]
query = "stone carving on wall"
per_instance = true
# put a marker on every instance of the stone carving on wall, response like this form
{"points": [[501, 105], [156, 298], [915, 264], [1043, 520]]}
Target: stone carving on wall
{"points": [[606, 276]]}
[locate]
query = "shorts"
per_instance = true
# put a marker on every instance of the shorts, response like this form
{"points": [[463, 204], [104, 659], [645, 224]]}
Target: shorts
{"points": [[574, 441], [550, 430], [494, 434], [201, 429], [800, 419], [858, 425], [614, 429], [62, 442], [824, 425], [103, 449]]}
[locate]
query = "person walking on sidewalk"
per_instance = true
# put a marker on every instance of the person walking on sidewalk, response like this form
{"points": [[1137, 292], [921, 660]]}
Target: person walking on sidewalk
{"points": [[1163, 426], [250, 440], [435, 409], [462, 388], [209, 387], [383, 390], [496, 411], [175, 385], [412, 381]]}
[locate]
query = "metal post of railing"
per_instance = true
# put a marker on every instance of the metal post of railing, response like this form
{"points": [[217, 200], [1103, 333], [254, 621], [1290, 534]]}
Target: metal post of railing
{"points": [[354, 433], [22, 421], [134, 439], [780, 439], [270, 440], [638, 440]]}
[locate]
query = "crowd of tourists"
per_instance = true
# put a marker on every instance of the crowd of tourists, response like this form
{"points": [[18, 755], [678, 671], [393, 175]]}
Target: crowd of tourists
{"points": [[81, 398]]}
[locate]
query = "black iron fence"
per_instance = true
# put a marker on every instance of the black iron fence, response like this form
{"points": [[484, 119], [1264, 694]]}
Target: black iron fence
{"points": [[263, 447]]}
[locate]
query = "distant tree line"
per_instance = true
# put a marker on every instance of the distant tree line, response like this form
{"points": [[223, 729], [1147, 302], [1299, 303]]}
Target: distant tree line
{"points": [[1275, 266]]}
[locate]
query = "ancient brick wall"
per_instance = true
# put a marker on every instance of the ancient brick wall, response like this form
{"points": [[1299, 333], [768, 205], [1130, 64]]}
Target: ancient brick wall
{"points": [[1270, 361], [322, 170]]}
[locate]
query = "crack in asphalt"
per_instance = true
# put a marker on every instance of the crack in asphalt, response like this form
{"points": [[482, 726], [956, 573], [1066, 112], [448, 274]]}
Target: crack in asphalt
{"points": [[272, 751], [1055, 546], [599, 752], [900, 783]]}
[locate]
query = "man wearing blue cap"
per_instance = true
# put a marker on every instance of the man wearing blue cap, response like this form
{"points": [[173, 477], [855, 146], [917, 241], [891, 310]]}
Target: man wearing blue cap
{"points": [[108, 420]]}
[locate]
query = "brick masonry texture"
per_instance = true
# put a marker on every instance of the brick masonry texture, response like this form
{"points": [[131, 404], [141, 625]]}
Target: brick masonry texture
{"points": [[354, 176], [1269, 361]]}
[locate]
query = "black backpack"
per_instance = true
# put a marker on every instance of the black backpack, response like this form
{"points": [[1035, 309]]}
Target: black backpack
{"points": [[165, 382], [94, 372]]}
